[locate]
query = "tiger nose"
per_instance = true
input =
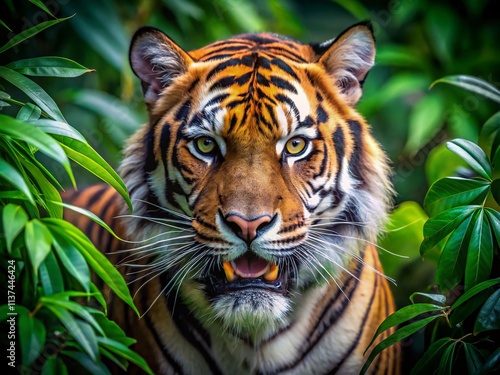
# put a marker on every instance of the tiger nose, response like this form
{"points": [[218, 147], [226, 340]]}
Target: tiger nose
{"points": [[247, 229]]}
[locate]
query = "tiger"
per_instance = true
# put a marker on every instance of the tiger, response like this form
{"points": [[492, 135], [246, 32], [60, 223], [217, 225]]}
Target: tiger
{"points": [[259, 193]]}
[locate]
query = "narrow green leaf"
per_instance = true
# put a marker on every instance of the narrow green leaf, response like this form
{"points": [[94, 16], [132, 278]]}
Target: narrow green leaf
{"points": [[489, 316], [402, 315], [473, 357], [42, 6], [32, 337], [491, 126], [54, 365], [495, 189], [429, 361], [14, 219], [49, 67], [29, 112], [34, 91], [437, 298], [87, 363], [32, 31], [28, 133], [120, 362], [480, 252], [58, 128], [5, 25], [399, 335], [472, 84], [88, 158], [491, 364], [38, 241], [439, 226], [113, 330], [72, 260], [494, 218], [453, 191], [124, 352], [99, 297], [446, 364], [495, 151], [473, 155], [99, 263], [10, 174], [451, 266], [50, 275], [474, 290]]}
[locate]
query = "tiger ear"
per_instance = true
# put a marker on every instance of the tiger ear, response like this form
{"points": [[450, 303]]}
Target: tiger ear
{"points": [[348, 59], [156, 60]]}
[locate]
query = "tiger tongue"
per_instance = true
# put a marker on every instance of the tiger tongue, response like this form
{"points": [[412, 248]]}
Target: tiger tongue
{"points": [[250, 266]]}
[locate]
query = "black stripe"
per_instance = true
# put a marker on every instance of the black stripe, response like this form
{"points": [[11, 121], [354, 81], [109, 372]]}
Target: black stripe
{"points": [[285, 67], [307, 123], [149, 143], [339, 145], [355, 162], [282, 84], [183, 111], [216, 100], [228, 48], [321, 115], [243, 79], [222, 83]]}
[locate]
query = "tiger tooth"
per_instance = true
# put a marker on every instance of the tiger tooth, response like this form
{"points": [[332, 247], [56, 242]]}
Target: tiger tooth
{"points": [[229, 271], [272, 274]]}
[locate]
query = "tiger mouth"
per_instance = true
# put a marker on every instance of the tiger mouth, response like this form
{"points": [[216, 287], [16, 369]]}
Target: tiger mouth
{"points": [[249, 271]]}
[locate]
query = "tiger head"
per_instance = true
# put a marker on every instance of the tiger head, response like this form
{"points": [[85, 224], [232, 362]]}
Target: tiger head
{"points": [[255, 178]]}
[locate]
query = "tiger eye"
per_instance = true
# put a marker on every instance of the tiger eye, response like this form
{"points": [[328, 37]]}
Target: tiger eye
{"points": [[205, 145], [296, 145]]}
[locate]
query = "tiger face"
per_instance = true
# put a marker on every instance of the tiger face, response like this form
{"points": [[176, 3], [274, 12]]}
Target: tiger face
{"points": [[255, 179]]}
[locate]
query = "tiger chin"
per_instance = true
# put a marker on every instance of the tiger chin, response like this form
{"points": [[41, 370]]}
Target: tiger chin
{"points": [[259, 193]]}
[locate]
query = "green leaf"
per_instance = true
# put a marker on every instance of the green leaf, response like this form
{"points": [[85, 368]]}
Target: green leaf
{"points": [[32, 31], [429, 361], [451, 265], [442, 163], [38, 241], [10, 174], [98, 296], [32, 337], [54, 365], [495, 189], [473, 155], [473, 357], [480, 252], [491, 126], [87, 363], [50, 275], [123, 351], [475, 290], [113, 330], [446, 363], [34, 91], [84, 155], [402, 315], [28, 133], [29, 112], [75, 328], [14, 219], [494, 217], [438, 227], [58, 128], [489, 316], [453, 191], [465, 310], [42, 6], [437, 298], [4, 25], [472, 84], [49, 67], [491, 364], [399, 335], [72, 260], [99, 263]]}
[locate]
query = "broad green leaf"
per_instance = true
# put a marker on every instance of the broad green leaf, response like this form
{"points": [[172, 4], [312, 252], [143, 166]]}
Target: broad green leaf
{"points": [[99, 263], [14, 219], [473, 357], [10, 174], [42, 6], [491, 364], [474, 290], [58, 128], [29, 112], [32, 31], [49, 67], [124, 352], [465, 310], [473, 155], [439, 226], [480, 252], [495, 190], [6, 309], [84, 155], [494, 218], [402, 315], [87, 363], [98, 296], [473, 84], [429, 361], [50, 275], [120, 362], [38, 242], [74, 328], [113, 331], [72, 260], [28, 133], [451, 266], [489, 316], [54, 365], [453, 191], [490, 127], [437, 298], [495, 149], [399, 335], [32, 337], [446, 363], [442, 163]]}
